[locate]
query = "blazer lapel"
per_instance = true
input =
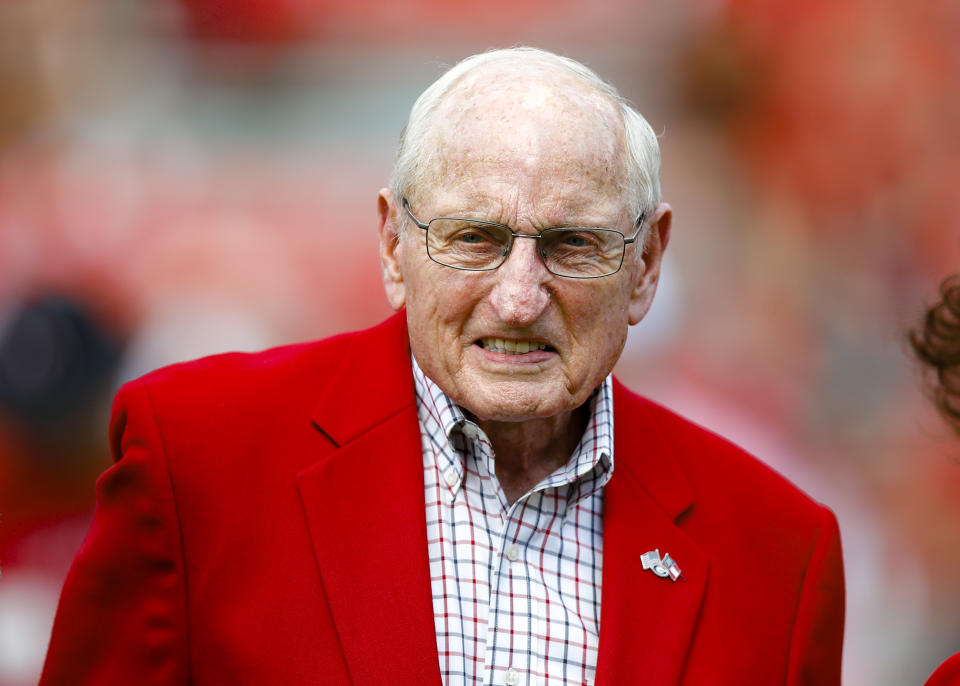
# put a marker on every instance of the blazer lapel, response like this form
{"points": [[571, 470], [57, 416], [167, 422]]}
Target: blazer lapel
{"points": [[365, 511], [646, 622]]}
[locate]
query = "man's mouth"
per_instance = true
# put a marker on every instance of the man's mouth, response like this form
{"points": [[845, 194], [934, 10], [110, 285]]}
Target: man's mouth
{"points": [[502, 345]]}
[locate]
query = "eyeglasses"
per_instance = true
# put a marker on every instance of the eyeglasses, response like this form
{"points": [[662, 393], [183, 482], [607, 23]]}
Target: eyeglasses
{"points": [[571, 252]]}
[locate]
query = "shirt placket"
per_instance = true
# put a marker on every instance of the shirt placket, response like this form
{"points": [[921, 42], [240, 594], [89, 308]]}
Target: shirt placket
{"points": [[517, 597]]}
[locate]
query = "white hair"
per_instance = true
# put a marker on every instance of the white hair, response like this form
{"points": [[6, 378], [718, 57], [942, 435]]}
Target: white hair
{"points": [[643, 151]]}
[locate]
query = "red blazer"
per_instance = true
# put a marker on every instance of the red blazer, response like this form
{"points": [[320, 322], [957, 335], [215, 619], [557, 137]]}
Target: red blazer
{"points": [[947, 674], [264, 524]]}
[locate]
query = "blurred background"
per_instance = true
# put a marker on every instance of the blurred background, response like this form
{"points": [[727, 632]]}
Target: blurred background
{"points": [[180, 177]]}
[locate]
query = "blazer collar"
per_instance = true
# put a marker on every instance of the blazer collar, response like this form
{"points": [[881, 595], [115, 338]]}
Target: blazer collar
{"points": [[647, 457], [369, 381]]}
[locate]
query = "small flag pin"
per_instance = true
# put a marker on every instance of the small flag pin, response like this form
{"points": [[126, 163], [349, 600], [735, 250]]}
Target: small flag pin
{"points": [[665, 567]]}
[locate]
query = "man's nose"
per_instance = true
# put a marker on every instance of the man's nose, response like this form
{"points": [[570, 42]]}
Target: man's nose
{"points": [[520, 294]]}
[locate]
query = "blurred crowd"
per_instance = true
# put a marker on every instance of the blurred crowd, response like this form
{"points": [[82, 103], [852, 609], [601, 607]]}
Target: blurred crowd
{"points": [[177, 179]]}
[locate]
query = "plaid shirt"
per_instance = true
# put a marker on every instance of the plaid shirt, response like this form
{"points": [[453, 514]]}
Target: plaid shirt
{"points": [[516, 588]]}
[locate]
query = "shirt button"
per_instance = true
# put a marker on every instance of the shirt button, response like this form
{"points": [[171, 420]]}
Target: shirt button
{"points": [[513, 552], [469, 430], [451, 478], [512, 677]]}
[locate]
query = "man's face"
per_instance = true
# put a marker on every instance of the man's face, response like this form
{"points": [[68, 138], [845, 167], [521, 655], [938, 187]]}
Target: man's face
{"points": [[518, 342]]}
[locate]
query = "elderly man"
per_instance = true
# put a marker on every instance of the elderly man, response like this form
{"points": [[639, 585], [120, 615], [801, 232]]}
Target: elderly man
{"points": [[463, 494]]}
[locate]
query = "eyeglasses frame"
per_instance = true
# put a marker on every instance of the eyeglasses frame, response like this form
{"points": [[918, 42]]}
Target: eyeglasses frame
{"points": [[513, 234]]}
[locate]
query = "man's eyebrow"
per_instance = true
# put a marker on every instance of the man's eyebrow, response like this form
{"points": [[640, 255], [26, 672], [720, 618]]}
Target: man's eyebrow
{"points": [[588, 217]]}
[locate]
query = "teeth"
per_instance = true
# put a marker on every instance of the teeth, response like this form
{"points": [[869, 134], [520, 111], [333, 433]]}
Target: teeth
{"points": [[502, 345]]}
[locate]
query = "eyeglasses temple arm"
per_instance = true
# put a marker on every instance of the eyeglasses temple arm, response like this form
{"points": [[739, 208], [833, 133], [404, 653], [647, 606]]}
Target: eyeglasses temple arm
{"points": [[639, 226], [406, 207]]}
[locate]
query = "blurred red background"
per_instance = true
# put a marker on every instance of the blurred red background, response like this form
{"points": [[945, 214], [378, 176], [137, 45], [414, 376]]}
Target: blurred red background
{"points": [[184, 177]]}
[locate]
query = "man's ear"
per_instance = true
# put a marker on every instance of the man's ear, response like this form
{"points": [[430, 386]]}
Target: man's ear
{"points": [[390, 249], [648, 274]]}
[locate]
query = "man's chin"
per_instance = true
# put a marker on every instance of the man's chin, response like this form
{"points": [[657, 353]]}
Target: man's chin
{"points": [[516, 402]]}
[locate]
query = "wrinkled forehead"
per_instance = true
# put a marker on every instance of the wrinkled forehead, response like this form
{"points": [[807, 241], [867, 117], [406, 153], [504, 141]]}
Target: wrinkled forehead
{"points": [[535, 120]]}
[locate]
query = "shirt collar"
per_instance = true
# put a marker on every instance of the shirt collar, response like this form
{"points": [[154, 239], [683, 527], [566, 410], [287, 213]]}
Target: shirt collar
{"points": [[441, 418]]}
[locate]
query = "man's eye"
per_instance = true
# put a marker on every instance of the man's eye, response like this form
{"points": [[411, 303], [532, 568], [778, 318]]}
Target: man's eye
{"points": [[473, 238], [580, 240]]}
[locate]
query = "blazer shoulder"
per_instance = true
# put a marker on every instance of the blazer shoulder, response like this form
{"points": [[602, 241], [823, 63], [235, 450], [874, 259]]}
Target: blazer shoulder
{"points": [[946, 674], [288, 371], [717, 468]]}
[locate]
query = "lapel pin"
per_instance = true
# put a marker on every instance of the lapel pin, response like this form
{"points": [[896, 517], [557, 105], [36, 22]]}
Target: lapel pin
{"points": [[665, 568]]}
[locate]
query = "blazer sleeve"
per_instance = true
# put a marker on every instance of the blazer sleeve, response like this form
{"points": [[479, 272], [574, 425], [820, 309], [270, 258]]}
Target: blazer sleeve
{"points": [[817, 638], [122, 612]]}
